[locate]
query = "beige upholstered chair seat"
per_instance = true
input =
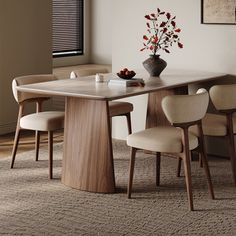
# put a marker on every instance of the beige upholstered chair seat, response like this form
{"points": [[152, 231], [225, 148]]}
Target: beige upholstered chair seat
{"points": [[39, 120], [182, 111], [214, 125], [43, 121], [119, 108], [161, 139], [223, 98]]}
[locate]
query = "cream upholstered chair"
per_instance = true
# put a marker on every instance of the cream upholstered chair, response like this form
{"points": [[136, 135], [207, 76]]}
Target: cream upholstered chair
{"points": [[40, 121], [223, 98], [115, 108], [182, 111]]}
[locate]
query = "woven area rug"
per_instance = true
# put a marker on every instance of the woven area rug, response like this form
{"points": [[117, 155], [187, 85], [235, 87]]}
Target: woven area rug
{"points": [[30, 204]]}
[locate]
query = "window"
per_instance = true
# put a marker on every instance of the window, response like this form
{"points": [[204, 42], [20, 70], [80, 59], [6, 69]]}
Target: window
{"points": [[67, 27]]}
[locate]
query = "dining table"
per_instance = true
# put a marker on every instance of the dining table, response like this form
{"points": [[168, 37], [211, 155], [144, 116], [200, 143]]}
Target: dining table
{"points": [[87, 162]]}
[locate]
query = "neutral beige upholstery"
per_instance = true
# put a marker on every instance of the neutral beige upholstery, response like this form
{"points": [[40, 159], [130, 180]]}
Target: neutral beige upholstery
{"points": [[223, 96], [182, 111], [224, 99], [119, 108], [185, 108], [43, 121], [161, 139], [49, 121], [178, 109], [21, 96], [214, 125]]}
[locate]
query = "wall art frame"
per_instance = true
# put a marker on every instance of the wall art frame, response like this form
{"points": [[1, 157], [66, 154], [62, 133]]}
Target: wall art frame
{"points": [[218, 12]]}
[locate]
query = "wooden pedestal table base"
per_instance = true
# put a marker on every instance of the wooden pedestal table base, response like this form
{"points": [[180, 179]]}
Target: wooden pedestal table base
{"points": [[88, 157]]}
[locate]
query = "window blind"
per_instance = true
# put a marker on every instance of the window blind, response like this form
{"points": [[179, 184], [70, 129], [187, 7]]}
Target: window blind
{"points": [[67, 27]]}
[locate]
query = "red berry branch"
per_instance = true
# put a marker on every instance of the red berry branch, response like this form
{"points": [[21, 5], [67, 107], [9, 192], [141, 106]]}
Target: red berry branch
{"points": [[162, 32]]}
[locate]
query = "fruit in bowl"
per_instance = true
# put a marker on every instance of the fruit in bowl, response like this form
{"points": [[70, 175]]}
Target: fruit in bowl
{"points": [[126, 74]]}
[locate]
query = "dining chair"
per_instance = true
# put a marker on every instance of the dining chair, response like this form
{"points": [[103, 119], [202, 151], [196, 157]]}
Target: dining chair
{"points": [[182, 111], [223, 124], [116, 108], [39, 121]]}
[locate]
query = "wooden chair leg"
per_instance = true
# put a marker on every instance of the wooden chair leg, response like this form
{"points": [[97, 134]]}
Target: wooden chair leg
{"points": [[37, 141], [204, 161], [131, 171], [232, 157], [158, 167], [191, 156], [200, 159], [17, 134], [208, 175], [50, 152], [231, 146], [187, 169], [188, 180], [179, 167], [111, 125], [129, 123], [15, 145]]}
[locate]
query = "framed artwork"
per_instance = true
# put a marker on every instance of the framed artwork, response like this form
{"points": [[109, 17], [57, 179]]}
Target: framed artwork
{"points": [[218, 12]]}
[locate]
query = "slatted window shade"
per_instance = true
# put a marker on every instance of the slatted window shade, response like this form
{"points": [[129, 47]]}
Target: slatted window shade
{"points": [[67, 27]]}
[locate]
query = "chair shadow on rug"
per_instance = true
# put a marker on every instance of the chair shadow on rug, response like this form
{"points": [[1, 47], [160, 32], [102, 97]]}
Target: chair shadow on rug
{"points": [[41, 164]]}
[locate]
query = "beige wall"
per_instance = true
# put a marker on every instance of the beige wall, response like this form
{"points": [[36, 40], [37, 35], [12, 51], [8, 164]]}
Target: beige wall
{"points": [[25, 48], [25, 45], [101, 36], [206, 47]]}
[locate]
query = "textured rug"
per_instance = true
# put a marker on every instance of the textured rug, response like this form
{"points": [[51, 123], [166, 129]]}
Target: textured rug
{"points": [[30, 204]]}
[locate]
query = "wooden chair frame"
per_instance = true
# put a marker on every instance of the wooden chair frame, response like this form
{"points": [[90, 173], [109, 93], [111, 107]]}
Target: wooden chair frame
{"points": [[128, 119], [185, 156], [230, 139], [39, 103]]}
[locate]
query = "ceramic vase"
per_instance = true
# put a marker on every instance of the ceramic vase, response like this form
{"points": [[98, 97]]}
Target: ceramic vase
{"points": [[154, 65]]}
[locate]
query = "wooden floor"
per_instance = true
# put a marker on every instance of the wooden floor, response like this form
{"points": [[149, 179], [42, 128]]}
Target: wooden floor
{"points": [[26, 142]]}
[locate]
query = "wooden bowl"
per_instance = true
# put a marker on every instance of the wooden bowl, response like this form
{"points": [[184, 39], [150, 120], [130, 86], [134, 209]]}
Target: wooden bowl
{"points": [[126, 76]]}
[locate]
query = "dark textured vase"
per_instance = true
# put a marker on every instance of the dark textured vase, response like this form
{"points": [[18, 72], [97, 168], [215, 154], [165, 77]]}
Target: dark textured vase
{"points": [[154, 65]]}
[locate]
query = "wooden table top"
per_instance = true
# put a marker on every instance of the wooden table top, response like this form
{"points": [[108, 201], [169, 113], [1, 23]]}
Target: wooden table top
{"points": [[86, 87]]}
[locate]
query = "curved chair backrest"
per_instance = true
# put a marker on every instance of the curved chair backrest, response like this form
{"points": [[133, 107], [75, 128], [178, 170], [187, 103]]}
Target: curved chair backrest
{"points": [[29, 79], [223, 96], [185, 108]]}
